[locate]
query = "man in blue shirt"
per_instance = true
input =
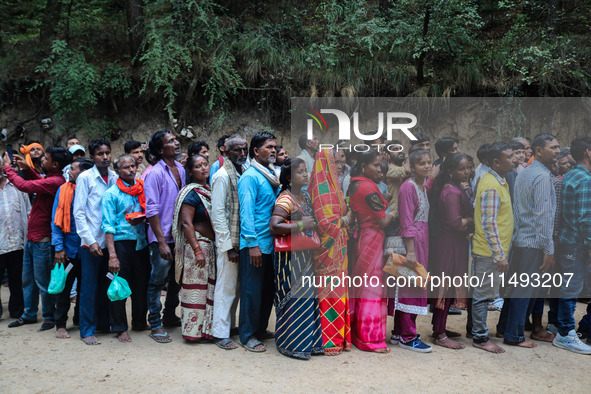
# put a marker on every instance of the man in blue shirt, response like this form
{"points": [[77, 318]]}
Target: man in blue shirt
{"points": [[123, 207], [67, 245], [257, 191]]}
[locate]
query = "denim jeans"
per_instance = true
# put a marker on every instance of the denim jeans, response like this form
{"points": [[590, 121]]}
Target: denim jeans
{"points": [[570, 259], [162, 272], [518, 300], [94, 303], [37, 265], [483, 267]]}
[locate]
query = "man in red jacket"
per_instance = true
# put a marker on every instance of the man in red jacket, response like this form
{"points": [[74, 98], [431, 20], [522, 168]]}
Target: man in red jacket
{"points": [[37, 262]]}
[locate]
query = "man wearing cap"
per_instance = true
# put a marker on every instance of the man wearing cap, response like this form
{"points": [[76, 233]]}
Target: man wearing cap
{"points": [[77, 152]]}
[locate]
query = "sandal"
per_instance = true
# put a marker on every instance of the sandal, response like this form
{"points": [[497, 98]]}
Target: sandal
{"points": [[161, 338], [225, 343], [266, 335], [251, 345]]}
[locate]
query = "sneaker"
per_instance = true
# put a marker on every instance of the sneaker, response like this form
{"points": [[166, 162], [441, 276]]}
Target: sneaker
{"points": [[416, 345], [571, 342], [552, 329], [395, 339]]}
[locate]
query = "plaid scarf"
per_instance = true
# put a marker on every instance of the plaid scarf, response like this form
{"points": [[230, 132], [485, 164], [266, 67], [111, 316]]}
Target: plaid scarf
{"points": [[234, 204]]}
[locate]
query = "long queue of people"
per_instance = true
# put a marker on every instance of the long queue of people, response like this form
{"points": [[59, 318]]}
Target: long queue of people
{"points": [[215, 235]]}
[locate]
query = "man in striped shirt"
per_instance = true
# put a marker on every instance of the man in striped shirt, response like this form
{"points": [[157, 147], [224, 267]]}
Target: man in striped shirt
{"points": [[534, 207]]}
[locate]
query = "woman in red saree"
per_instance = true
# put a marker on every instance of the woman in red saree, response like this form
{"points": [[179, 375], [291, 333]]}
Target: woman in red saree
{"points": [[330, 211], [369, 304]]}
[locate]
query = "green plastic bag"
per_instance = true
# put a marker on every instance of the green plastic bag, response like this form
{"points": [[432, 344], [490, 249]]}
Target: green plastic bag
{"points": [[57, 282], [118, 289]]}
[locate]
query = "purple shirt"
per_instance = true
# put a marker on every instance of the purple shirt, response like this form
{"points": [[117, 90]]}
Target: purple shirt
{"points": [[161, 190]]}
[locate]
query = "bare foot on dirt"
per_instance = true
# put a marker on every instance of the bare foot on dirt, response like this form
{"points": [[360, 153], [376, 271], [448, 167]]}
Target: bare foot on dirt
{"points": [[443, 341], [542, 335], [489, 346], [383, 350], [123, 337], [527, 343], [62, 333], [91, 340]]}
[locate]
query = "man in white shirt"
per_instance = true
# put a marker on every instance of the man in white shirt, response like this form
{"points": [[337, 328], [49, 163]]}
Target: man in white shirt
{"points": [[90, 187], [225, 218]]}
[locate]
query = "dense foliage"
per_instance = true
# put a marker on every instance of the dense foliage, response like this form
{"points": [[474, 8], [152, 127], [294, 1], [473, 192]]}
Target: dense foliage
{"points": [[85, 60]]}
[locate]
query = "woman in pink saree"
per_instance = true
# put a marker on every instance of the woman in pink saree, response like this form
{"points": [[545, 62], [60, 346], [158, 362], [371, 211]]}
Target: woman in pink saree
{"points": [[369, 302]]}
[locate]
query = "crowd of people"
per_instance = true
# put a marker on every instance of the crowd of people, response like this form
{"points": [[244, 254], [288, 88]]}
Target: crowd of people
{"points": [[248, 227]]}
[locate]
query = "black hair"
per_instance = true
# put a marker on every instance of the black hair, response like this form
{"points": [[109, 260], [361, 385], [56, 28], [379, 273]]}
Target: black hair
{"points": [[157, 142], [444, 144], [131, 145], [196, 147], [495, 150], [363, 158], [520, 140], [150, 157], [286, 170], [516, 145], [258, 140], [279, 147], [540, 141], [72, 137], [420, 138], [303, 141], [578, 148], [60, 155], [384, 168], [84, 163], [392, 142], [416, 155], [222, 141], [96, 143], [564, 152], [482, 153], [449, 165], [190, 163]]}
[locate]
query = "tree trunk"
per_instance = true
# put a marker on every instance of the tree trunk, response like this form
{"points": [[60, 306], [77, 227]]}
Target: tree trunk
{"points": [[50, 20], [423, 55], [135, 24], [187, 101]]}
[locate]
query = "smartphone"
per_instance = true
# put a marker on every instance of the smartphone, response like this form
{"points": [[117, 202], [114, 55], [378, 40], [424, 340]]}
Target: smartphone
{"points": [[10, 152]]}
